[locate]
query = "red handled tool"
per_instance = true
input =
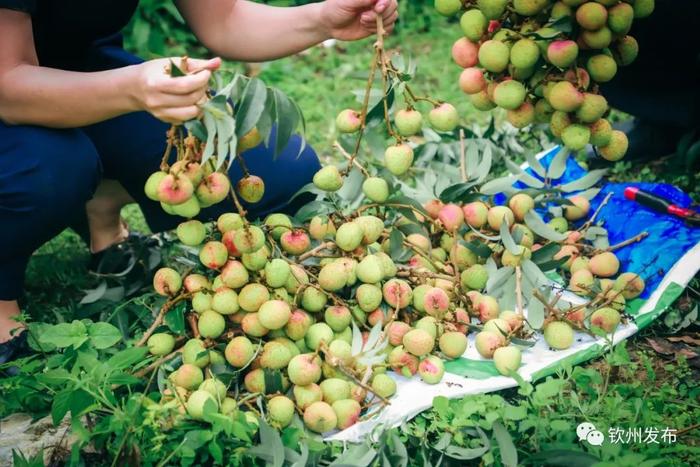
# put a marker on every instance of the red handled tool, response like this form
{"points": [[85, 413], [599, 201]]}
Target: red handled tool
{"points": [[659, 204]]}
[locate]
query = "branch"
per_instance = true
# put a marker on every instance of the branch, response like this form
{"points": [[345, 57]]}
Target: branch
{"points": [[160, 316]]}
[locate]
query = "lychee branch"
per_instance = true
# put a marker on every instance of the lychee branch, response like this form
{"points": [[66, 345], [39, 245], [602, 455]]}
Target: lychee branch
{"points": [[161, 315], [590, 221], [629, 241], [352, 160], [519, 289], [316, 250]]}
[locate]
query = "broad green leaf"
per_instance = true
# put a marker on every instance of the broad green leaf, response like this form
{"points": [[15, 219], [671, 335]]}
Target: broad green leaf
{"points": [[585, 182], [499, 185], [535, 313], [314, 208], [95, 294], [251, 107], [558, 165], [60, 405], [65, 335], [537, 225], [507, 239], [523, 176], [509, 455], [287, 119], [535, 164], [127, 357], [103, 335]]}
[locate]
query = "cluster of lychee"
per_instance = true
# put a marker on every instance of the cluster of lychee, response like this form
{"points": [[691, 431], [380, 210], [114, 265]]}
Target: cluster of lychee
{"points": [[398, 158], [515, 57]]}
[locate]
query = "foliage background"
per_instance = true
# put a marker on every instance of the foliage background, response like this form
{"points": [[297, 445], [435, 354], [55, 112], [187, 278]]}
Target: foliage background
{"points": [[635, 385]]}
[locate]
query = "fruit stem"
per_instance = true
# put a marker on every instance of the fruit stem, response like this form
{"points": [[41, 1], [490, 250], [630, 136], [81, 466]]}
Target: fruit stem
{"points": [[238, 205], [170, 136], [590, 221], [161, 315], [352, 160], [462, 156], [144, 371], [519, 289], [629, 241], [314, 251]]}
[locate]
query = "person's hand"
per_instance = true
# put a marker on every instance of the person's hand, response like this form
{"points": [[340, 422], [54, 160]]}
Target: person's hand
{"points": [[350, 20], [173, 99]]}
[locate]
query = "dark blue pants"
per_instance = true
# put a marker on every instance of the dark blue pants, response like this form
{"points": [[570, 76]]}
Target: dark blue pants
{"points": [[47, 176]]}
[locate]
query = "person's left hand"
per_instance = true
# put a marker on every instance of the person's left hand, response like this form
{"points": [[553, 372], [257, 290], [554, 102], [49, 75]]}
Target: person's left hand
{"points": [[349, 20]]}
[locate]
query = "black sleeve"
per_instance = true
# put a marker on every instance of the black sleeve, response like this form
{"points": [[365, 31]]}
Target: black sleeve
{"points": [[27, 6]]}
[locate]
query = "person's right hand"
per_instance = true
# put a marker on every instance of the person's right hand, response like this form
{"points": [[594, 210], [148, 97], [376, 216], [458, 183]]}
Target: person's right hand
{"points": [[173, 99]]}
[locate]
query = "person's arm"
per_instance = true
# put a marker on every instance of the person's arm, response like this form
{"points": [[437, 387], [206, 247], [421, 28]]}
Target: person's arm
{"points": [[36, 95], [243, 30]]}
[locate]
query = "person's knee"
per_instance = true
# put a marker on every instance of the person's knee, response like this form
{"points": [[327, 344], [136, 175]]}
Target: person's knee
{"points": [[61, 170]]}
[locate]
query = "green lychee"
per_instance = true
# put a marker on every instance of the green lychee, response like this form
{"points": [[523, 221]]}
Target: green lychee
{"points": [[348, 121], [559, 335], [616, 148], [197, 403], [320, 417], [507, 359], [408, 122], [494, 56], [274, 314], [376, 189], [160, 344], [474, 24], [239, 351], [328, 179]]}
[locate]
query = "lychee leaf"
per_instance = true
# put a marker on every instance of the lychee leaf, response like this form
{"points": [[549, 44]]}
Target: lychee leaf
{"points": [[537, 225], [461, 192], [534, 274], [535, 164], [585, 182], [535, 314], [507, 239], [525, 177], [484, 168], [373, 337], [499, 185], [251, 106], [499, 278], [356, 347], [558, 165], [478, 248]]}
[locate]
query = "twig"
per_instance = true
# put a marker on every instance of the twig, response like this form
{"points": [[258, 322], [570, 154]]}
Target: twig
{"points": [[590, 221], [164, 166], [365, 108], [352, 160], [159, 318], [629, 241], [462, 156], [519, 289], [144, 371], [690, 428], [239, 206], [318, 249]]}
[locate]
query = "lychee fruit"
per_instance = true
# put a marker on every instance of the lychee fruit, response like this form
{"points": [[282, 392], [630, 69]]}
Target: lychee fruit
{"points": [[313, 300], [475, 214], [196, 283], [251, 188], [604, 264], [494, 56], [576, 136], [215, 387], [521, 204], [451, 216], [175, 189], [295, 242], [486, 308], [465, 52], [211, 324], [197, 402], [408, 122], [320, 227], [251, 325], [507, 359], [453, 344], [524, 53], [616, 148], [581, 282], [580, 208], [474, 277], [431, 369], [376, 189], [348, 121], [188, 376], [436, 302], [160, 344], [335, 389], [383, 385], [320, 417], [564, 97], [281, 411], [625, 50], [522, 116], [487, 342], [153, 181], [225, 301], [559, 335], [275, 356], [167, 282], [213, 189], [562, 53], [337, 317], [307, 395], [403, 362], [252, 296], [318, 333], [349, 236], [191, 233], [606, 319], [213, 255], [369, 297], [395, 331], [444, 117], [418, 342], [328, 179], [472, 80], [514, 320], [274, 314], [474, 24], [630, 284], [397, 293], [496, 216], [239, 351], [602, 68], [509, 94], [591, 16], [304, 369], [398, 159]]}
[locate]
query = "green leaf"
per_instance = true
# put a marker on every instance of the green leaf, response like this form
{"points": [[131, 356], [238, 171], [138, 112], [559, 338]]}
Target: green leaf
{"points": [[287, 119], [175, 318], [103, 335], [273, 381], [61, 405], [65, 335], [478, 248], [537, 225], [524, 177], [535, 164], [314, 208], [196, 129], [558, 165], [535, 313], [507, 239], [95, 294], [509, 455], [459, 192], [499, 185], [176, 71], [271, 448], [396, 244], [251, 107], [585, 182], [127, 357]]}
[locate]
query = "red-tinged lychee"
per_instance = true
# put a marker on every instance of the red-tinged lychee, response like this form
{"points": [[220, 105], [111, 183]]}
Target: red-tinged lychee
{"points": [[320, 417], [522, 116], [606, 319], [465, 53], [520, 204], [562, 53], [304, 369], [514, 320], [604, 264], [347, 411], [451, 216], [239, 351], [630, 284], [167, 282], [580, 208], [188, 376], [403, 362], [337, 317], [252, 327], [250, 140], [213, 189], [251, 188], [472, 80], [486, 308], [397, 293], [436, 302], [295, 242], [175, 189], [395, 331], [431, 369], [348, 121], [487, 342], [475, 214], [151, 187]]}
